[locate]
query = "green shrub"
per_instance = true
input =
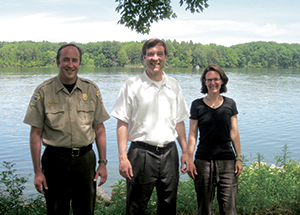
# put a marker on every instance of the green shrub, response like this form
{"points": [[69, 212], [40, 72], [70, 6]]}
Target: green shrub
{"points": [[11, 195], [11, 186], [272, 189], [263, 189]]}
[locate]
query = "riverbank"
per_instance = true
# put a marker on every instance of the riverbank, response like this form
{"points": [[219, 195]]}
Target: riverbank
{"points": [[263, 189]]}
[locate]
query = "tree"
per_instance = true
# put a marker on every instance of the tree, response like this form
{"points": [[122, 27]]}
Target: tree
{"points": [[229, 57], [87, 61], [295, 48], [100, 60], [122, 58], [212, 55], [133, 50], [285, 57], [175, 62], [49, 58], [181, 54], [199, 56], [138, 15]]}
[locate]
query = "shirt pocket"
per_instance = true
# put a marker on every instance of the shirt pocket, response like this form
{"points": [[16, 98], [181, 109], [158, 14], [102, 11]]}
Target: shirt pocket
{"points": [[55, 116], [86, 113]]}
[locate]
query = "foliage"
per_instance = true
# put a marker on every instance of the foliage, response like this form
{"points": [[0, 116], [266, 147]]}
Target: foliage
{"points": [[119, 199], [12, 187], [181, 55], [138, 15], [11, 195], [186, 199], [263, 189], [269, 189]]}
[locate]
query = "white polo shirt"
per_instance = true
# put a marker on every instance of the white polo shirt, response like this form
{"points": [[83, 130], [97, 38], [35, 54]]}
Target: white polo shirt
{"points": [[152, 112]]}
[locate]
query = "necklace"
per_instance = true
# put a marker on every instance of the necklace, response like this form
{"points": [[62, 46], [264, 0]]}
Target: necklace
{"points": [[215, 103]]}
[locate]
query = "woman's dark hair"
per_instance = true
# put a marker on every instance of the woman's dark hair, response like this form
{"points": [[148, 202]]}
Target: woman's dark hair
{"points": [[66, 45], [153, 42], [222, 74]]}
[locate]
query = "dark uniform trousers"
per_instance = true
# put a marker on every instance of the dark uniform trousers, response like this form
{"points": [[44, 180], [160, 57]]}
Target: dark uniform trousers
{"points": [[152, 167], [69, 178], [212, 174]]}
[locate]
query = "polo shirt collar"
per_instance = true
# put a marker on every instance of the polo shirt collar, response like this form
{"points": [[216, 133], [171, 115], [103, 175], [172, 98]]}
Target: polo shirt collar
{"points": [[147, 82]]}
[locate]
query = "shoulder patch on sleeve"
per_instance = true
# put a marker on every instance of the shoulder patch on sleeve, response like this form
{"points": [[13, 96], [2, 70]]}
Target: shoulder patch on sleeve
{"points": [[98, 94], [34, 99]]}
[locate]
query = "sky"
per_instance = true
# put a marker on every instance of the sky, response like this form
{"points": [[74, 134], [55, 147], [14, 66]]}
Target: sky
{"points": [[224, 22]]}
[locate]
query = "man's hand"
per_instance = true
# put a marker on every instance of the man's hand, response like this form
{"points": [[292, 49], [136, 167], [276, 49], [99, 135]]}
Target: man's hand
{"points": [[125, 169], [184, 162], [39, 180], [102, 172]]}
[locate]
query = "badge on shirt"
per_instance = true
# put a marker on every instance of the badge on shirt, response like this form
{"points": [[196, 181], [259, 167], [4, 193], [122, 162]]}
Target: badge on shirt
{"points": [[84, 97], [34, 99], [98, 94]]}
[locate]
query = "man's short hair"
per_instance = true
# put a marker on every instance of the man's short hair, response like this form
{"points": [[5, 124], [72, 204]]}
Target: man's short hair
{"points": [[66, 45], [153, 42]]}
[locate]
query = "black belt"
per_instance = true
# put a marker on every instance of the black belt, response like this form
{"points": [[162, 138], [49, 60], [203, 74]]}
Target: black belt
{"points": [[159, 148], [73, 152]]}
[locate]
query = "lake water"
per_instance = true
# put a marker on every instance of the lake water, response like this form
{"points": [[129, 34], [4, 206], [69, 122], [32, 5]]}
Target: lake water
{"points": [[267, 100]]}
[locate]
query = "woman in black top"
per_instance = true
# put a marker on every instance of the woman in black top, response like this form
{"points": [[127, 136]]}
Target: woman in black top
{"points": [[218, 159]]}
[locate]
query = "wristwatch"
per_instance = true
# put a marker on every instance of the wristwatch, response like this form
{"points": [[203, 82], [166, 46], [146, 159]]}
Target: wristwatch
{"points": [[103, 161]]}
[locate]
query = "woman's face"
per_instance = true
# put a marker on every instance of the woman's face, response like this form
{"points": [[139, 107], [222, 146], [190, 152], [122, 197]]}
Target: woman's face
{"points": [[213, 82]]}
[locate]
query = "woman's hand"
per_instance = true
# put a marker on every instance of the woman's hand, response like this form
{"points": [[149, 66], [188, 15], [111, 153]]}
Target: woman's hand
{"points": [[192, 171], [238, 168]]}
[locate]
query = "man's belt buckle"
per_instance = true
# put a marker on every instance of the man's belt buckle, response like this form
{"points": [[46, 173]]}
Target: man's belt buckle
{"points": [[159, 147], [75, 152]]}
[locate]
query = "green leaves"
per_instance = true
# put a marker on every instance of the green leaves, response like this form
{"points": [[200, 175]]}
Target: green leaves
{"points": [[11, 187], [195, 5], [138, 15]]}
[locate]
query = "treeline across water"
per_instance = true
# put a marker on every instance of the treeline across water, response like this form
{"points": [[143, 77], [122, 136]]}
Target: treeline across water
{"points": [[181, 54]]}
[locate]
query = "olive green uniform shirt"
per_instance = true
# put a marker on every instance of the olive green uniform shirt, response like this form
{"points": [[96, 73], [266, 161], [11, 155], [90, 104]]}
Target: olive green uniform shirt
{"points": [[67, 118]]}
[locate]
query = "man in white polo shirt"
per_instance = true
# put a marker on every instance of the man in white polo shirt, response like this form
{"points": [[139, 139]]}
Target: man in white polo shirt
{"points": [[151, 111]]}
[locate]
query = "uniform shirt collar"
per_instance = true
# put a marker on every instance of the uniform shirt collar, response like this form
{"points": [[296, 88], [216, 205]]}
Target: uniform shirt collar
{"points": [[59, 85]]}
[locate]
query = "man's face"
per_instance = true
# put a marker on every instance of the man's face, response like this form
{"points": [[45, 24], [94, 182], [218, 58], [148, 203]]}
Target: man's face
{"points": [[155, 59], [68, 64]]}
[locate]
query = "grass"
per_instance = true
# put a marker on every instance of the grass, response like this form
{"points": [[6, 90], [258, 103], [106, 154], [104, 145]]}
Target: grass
{"points": [[263, 189]]}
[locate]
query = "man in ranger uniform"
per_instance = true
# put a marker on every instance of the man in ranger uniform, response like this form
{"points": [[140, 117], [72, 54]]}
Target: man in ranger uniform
{"points": [[66, 114]]}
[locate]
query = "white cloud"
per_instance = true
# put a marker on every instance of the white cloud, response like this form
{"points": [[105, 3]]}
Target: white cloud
{"points": [[270, 30], [57, 28], [223, 32], [37, 19]]}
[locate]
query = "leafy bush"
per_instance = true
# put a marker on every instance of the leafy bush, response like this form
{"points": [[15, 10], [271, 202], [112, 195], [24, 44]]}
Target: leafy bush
{"points": [[11, 195], [271, 189], [263, 189], [12, 187]]}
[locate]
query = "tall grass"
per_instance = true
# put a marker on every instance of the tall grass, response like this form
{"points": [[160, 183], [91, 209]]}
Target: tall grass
{"points": [[263, 189]]}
